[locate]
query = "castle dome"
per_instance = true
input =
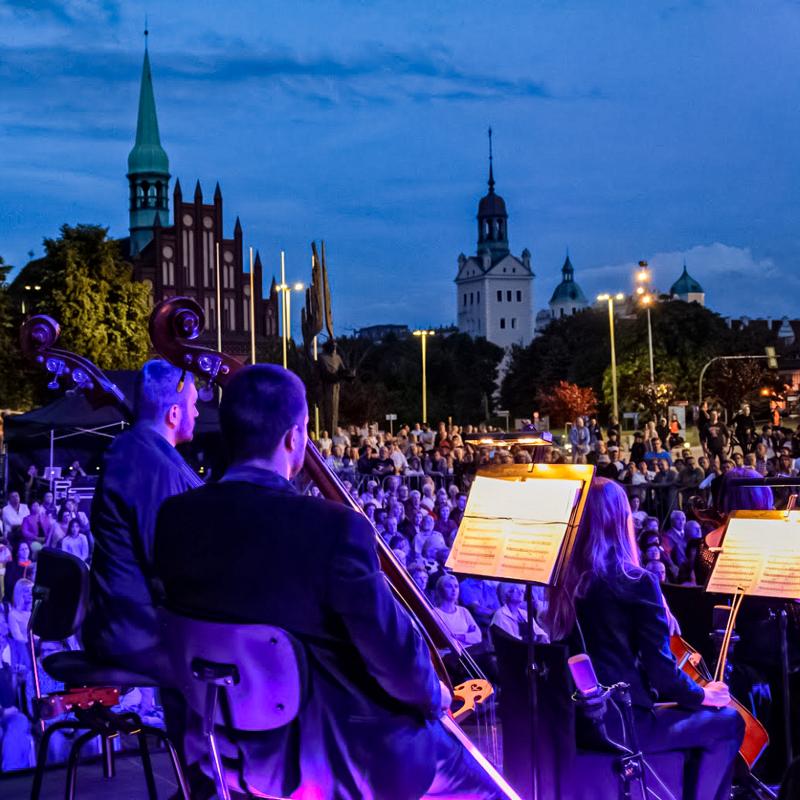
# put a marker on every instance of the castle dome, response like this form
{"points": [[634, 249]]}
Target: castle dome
{"points": [[685, 285]]}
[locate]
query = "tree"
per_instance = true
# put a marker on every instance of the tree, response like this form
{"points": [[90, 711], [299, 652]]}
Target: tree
{"points": [[732, 381], [89, 289], [16, 387], [565, 401]]}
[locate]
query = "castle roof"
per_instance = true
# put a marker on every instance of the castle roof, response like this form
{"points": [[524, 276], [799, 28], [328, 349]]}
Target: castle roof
{"points": [[147, 154], [568, 291], [686, 284]]}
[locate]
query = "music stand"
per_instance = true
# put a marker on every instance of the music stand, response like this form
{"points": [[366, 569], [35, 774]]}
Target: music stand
{"points": [[520, 525]]}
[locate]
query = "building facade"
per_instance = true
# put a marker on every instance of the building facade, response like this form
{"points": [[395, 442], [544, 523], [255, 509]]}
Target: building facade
{"points": [[187, 256], [494, 289]]}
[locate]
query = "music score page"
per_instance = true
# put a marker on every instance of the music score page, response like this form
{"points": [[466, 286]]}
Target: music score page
{"points": [[514, 529], [760, 557]]}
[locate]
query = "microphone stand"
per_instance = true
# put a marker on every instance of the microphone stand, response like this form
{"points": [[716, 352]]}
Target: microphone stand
{"points": [[533, 694]]}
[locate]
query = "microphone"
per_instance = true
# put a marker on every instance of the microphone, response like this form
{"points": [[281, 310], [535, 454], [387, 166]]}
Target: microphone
{"points": [[583, 676]]}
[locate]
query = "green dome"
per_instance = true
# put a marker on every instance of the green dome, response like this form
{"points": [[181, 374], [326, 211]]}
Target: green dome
{"points": [[568, 291], [685, 285], [148, 155]]}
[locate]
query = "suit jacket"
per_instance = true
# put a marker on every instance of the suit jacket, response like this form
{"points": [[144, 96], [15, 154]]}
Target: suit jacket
{"points": [[624, 626], [139, 470], [251, 549]]}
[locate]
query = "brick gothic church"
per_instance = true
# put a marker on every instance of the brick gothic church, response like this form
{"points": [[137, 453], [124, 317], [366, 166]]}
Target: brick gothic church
{"points": [[180, 259]]}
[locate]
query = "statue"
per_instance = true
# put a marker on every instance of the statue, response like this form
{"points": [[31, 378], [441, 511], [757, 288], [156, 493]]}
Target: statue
{"points": [[330, 367]]}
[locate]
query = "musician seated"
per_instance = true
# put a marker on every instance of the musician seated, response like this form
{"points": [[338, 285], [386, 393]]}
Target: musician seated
{"points": [[368, 726], [616, 611]]}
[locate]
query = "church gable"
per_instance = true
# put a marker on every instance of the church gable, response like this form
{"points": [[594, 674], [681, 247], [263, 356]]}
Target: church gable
{"points": [[470, 269], [509, 267]]}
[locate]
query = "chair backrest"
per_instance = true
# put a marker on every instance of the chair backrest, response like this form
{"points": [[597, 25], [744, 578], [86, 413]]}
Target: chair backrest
{"points": [[60, 594], [267, 665]]}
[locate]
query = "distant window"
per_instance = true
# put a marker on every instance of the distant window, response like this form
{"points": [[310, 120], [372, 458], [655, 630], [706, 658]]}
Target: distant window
{"points": [[478, 300], [519, 296], [502, 323], [508, 296], [471, 299], [499, 297], [513, 322], [561, 312], [465, 298]]}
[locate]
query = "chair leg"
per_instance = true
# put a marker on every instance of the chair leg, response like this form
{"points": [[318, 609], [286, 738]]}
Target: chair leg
{"points": [[147, 766], [41, 756], [173, 754], [72, 762], [109, 767], [219, 772]]}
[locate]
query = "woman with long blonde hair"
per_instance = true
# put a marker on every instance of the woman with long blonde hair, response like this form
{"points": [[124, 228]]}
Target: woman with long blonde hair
{"points": [[615, 609]]}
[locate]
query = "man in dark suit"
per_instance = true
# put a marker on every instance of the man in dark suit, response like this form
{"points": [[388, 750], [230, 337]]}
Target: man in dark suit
{"points": [[368, 727]]}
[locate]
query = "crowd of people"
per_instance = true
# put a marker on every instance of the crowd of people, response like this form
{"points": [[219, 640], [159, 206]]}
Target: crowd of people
{"points": [[413, 485]]}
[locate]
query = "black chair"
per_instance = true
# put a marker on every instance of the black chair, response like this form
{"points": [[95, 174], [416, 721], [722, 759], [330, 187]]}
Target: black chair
{"points": [[60, 598], [235, 677]]}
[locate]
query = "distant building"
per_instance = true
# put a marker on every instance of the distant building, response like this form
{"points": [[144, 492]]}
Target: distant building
{"points": [[686, 288], [377, 333], [568, 297], [181, 258], [494, 289]]}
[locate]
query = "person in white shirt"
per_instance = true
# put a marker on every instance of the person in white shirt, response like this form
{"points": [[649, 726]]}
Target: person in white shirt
{"points": [[512, 616], [398, 459], [75, 542], [325, 442], [457, 618], [20, 611], [13, 513]]}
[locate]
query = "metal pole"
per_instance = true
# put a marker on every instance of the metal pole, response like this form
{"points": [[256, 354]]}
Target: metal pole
{"points": [[613, 357], [283, 305], [650, 342], [316, 406], [424, 381], [219, 307], [252, 311]]}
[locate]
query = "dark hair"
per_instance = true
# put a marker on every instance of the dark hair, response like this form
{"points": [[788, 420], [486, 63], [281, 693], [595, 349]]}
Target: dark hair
{"points": [[73, 521], [157, 389], [260, 404]]}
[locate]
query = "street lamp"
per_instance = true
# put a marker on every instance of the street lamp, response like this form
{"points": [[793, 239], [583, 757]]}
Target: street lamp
{"points": [[424, 334], [610, 300], [286, 308], [643, 279], [28, 288]]}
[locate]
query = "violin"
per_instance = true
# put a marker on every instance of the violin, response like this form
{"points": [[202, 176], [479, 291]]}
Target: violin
{"points": [[175, 327], [691, 662]]}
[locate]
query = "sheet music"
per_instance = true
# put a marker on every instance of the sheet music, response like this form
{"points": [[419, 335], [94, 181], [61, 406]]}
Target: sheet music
{"points": [[760, 556], [514, 529]]}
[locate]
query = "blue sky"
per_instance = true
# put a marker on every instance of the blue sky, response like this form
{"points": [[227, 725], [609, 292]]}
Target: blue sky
{"points": [[623, 130]]}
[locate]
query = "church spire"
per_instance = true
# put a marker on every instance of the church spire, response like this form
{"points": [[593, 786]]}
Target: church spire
{"points": [[148, 165], [491, 158]]}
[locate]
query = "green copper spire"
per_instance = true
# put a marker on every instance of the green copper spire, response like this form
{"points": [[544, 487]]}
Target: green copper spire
{"points": [[147, 155]]}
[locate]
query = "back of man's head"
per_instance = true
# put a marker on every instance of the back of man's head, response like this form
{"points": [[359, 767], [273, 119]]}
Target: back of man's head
{"points": [[156, 391], [260, 404]]}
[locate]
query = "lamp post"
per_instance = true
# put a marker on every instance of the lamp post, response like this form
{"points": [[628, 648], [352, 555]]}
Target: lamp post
{"points": [[609, 298], [645, 296], [286, 308], [424, 334], [28, 289]]}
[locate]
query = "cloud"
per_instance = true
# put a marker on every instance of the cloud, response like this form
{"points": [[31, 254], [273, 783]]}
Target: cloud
{"points": [[736, 281]]}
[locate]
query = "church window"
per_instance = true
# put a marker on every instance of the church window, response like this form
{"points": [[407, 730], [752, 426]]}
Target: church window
{"points": [[208, 223], [188, 258], [502, 323], [519, 296], [246, 309], [210, 307], [168, 272], [151, 197], [228, 271], [187, 220], [209, 258], [499, 296], [228, 320], [513, 322], [139, 196], [508, 296], [148, 284]]}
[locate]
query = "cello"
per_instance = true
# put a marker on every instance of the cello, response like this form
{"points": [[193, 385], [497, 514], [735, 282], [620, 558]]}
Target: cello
{"points": [[175, 325]]}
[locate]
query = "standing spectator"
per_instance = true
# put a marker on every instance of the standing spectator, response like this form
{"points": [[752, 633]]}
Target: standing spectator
{"points": [[703, 423], [675, 438], [458, 620], [639, 516], [13, 513], [398, 459], [595, 433], [29, 487], [367, 461], [744, 426], [383, 464], [579, 439], [638, 449], [427, 438], [717, 439], [75, 542], [657, 452], [76, 470]]}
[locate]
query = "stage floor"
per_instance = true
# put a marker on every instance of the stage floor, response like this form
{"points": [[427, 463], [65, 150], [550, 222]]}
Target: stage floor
{"points": [[127, 785]]}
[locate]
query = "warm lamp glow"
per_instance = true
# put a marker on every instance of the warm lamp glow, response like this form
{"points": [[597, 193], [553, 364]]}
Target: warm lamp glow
{"points": [[298, 287], [424, 333]]}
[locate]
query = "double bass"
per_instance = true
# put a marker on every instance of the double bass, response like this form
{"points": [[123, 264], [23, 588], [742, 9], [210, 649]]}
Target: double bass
{"points": [[175, 325]]}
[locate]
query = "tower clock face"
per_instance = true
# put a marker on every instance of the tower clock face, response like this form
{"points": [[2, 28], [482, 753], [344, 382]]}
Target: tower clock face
{"points": [[187, 220]]}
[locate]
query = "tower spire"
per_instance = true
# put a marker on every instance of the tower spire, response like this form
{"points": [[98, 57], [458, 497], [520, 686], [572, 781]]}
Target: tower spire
{"points": [[491, 170]]}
